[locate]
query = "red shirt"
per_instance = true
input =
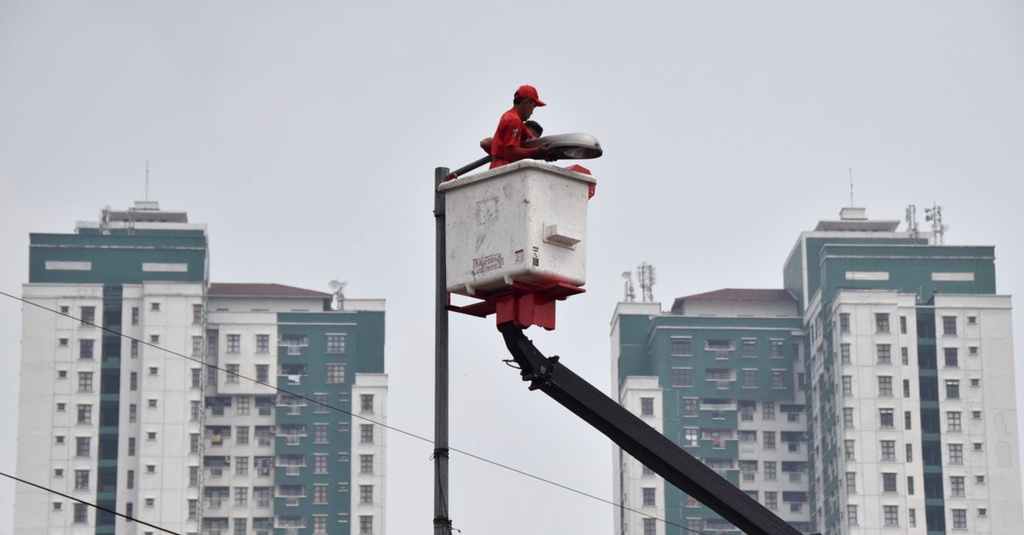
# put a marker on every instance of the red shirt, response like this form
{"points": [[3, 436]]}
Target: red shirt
{"points": [[511, 132]]}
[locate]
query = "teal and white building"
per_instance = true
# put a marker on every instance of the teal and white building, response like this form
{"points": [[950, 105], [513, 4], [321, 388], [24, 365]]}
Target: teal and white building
{"points": [[196, 407], [874, 393]]}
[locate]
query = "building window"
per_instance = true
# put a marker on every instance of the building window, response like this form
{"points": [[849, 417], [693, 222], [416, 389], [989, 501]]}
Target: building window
{"points": [[335, 373], [980, 480], [241, 496], [903, 325], [972, 350], [749, 378], [888, 482], [648, 497], [82, 446], [366, 403], [952, 389], [241, 434], [320, 401], [681, 347], [910, 453], [319, 463], [649, 527], [849, 450], [888, 450], [907, 420], [885, 418], [682, 377], [81, 513], [85, 413], [844, 322], [81, 480], [847, 417], [85, 349], [335, 343], [262, 373], [769, 439], [320, 433], [951, 357], [232, 373], [956, 454], [155, 307], [154, 338], [59, 439], [770, 470], [365, 493], [749, 348], [131, 446], [768, 410], [778, 348], [85, 381], [851, 515], [978, 446], [892, 515], [910, 486], [320, 494], [154, 370], [366, 464], [956, 486], [366, 433], [88, 315], [885, 386], [949, 325], [234, 343], [851, 483], [62, 407], [242, 465], [365, 524], [953, 421], [133, 413], [771, 500], [906, 388], [959, 518], [904, 356], [778, 380], [152, 403], [844, 352], [263, 343], [241, 524], [884, 353], [647, 406], [62, 342], [881, 323], [135, 315]]}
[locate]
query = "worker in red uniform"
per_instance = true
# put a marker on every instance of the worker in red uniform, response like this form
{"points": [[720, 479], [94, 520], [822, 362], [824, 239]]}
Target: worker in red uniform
{"points": [[535, 129], [506, 144]]}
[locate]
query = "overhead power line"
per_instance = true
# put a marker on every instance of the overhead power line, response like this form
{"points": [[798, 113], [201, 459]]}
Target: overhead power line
{"points": [[93, 505], [340, 410]]}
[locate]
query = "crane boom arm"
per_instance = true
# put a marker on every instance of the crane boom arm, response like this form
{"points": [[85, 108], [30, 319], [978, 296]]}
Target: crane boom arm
{"points": [[640, 440]]}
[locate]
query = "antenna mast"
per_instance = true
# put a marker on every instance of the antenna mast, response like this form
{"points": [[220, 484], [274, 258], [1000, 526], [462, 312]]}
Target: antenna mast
{"points": [[645, 277], [934, 214], [851, 188], [911, 219], [147, 180]]}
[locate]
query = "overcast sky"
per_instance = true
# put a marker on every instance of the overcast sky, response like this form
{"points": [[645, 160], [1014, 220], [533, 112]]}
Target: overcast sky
{"points": [[306, 133]]}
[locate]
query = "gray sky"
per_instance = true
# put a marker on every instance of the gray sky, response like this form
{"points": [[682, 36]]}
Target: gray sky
{"points": [[305, 134]]}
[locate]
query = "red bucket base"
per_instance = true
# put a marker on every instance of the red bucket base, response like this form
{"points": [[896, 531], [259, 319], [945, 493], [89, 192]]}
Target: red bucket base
{"points": [[524, 304]]}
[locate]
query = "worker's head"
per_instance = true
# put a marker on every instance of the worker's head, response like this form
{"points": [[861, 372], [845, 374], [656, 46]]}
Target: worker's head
{"points": [[535, 128], [525, 100]]}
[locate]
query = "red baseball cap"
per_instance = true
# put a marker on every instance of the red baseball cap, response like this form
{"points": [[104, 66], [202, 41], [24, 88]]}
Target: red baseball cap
{"points": [[528, 91]]}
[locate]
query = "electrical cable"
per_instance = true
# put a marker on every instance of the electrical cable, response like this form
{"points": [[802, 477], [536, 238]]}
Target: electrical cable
{"points": [[343, 411], [93, 505]]}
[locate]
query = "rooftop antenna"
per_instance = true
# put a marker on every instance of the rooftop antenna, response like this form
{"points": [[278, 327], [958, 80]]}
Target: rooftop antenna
{"points": [[147, 180], [934, 214], [851, 188], [911, 219], [645, 277], [630, 293], [338, 289]]}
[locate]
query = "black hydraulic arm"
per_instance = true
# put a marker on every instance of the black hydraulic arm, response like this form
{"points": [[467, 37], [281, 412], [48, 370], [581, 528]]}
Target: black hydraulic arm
{"points": [[639, 439]]}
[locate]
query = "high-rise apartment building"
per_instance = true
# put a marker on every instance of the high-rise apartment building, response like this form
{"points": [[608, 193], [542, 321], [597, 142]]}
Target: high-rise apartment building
{"points": [[875, 392], [195, 407]]}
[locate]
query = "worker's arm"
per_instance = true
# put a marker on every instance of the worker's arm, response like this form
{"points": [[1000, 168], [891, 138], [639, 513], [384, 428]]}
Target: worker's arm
{"points": [[514, 154], [485, 144]]}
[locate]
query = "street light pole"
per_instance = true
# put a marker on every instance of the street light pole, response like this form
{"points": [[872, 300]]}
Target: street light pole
{"points": [[442, 524]]}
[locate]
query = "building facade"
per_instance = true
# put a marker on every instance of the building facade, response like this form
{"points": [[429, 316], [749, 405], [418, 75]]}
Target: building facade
{"points": [[879, 382], [721, 375], [195, 407]]}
